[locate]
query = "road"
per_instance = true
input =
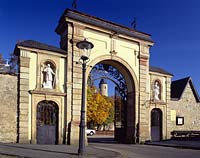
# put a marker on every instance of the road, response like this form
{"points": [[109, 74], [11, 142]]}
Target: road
{"points": [[5, 156], [147, 151], [142, 151], [95, 143]]}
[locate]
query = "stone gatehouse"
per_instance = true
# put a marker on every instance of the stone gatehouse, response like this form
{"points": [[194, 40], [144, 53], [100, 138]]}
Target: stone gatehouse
{"points": [[48, 98]]}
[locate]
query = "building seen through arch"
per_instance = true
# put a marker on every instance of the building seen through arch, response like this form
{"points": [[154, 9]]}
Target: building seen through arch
{"points": [[49, 86]]}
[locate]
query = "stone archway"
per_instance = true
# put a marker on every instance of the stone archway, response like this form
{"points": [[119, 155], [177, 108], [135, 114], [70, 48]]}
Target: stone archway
{"points": [[127, 132], [47, 123]]}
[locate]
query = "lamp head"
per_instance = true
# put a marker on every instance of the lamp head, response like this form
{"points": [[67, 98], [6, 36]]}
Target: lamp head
{"points": [[85, 47]]}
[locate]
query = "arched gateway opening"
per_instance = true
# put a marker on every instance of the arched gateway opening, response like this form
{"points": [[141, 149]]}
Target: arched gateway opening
{"points": [[124, 97], [47, 123]]}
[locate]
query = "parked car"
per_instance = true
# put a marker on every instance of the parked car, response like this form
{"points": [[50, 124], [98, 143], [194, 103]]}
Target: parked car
{"points": [[90, 132]]}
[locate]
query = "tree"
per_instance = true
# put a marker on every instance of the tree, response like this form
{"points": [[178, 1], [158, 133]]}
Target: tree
{"points": [[110, 118], [2, 61], [100, 110], [13, 63], [2, 64], [8, 66]]}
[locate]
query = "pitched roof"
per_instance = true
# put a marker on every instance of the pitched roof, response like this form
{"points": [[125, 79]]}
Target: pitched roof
{"points": [[178, 87], [38, 45], [95, 21], [159, 70]]}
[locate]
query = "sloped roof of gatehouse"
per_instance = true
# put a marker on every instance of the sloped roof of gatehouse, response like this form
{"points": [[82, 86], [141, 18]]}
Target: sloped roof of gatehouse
{"points": [[41, 46], [159, 70], [99, 22], [178, 88]]}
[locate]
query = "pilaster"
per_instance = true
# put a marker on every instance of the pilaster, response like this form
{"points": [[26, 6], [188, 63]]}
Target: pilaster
{"points": [[143, 84], [23, 109], [168, 109], [74, 81]]}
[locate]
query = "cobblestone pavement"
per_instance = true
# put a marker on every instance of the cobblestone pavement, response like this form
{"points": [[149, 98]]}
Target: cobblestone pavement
{"points": [[51, 151], [5, 156]]}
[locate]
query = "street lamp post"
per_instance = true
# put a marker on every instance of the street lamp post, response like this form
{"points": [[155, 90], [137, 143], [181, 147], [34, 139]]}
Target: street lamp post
{"points": [[85, 48]]}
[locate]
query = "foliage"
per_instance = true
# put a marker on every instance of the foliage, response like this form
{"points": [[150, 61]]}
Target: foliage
{"points": [[2, 61], [13, 63], [110, 118], [2, 64], [8, 66], [100, 110]]}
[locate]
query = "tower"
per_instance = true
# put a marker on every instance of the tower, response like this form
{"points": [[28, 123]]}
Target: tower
{"points": [[103, 86]]}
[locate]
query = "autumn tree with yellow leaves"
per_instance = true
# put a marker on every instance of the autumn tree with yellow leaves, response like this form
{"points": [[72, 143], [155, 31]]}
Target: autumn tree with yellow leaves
{"points": [[100, 109]]}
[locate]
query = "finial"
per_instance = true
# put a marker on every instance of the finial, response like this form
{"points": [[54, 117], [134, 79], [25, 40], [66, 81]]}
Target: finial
{"points": [[74, 4], [134, 23]]}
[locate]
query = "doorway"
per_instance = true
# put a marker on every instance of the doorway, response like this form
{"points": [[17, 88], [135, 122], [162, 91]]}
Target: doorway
{"points": [[47, 123], [156, 124]]}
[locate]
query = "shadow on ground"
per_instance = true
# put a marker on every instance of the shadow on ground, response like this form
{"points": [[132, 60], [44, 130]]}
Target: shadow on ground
{"points": [[102, 139]]}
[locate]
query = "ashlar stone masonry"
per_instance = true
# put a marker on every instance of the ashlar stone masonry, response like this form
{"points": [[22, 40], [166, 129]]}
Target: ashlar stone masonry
{"points": [[8, 106]]}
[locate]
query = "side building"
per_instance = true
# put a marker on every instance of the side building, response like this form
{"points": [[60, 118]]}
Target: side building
{"points": [[184, 105]]}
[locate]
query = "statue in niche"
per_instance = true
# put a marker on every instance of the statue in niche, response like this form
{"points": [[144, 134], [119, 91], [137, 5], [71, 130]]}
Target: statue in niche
{"points": [[48, 77], [156, 91]]}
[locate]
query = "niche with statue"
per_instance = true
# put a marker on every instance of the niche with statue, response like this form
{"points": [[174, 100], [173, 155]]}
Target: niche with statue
{"points": [[48, 75], [156, 90]]}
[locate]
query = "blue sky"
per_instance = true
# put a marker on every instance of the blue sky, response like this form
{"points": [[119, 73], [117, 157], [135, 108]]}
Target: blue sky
{"points": [[173, 24]]}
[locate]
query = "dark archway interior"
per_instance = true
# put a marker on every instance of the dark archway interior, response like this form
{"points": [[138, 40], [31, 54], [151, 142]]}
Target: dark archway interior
{"points": [[124, 99]]}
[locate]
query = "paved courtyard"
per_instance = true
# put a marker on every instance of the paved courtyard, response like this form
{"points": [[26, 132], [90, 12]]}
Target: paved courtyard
{"points": [[104, 147], [6, 156]]}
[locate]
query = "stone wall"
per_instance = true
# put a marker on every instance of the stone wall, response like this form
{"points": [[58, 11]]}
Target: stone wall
{"points": [[188, 108], [8, 106]]}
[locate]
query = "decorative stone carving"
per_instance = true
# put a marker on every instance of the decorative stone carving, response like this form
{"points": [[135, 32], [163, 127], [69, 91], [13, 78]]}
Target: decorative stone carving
{"points": [[49, 80], [156, 91]]}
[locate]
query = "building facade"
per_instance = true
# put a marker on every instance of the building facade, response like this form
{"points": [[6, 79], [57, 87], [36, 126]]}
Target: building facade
{"points": [[50, 84]]}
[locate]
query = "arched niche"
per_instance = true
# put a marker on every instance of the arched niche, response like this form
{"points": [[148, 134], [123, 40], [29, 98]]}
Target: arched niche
{"points": [[48, 75], [156, 90]]}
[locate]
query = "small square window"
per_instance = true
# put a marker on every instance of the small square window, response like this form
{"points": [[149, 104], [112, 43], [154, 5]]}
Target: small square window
{"points": [[179, 121]]}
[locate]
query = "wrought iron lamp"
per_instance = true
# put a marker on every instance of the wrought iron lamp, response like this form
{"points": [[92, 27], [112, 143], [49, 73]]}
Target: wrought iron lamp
{"points": [[85, 48]]}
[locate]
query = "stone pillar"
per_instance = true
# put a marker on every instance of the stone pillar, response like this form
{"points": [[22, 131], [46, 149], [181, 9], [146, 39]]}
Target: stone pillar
{"points": [[143, 83], [74, 82], [23, 107], [168, 109], [130, 120]]}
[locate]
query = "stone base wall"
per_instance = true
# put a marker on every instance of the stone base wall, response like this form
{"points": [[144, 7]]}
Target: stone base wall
{"points": [[8, 106]]}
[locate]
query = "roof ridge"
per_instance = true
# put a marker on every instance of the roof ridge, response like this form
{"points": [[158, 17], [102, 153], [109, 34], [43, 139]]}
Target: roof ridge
{"points": [[159, 70], [39, 45], [188, 78], [178, 87], [108, 21]]}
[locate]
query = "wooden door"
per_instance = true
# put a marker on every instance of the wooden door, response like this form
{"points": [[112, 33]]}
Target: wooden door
{"points": [[47, 123], [156, 125]]}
